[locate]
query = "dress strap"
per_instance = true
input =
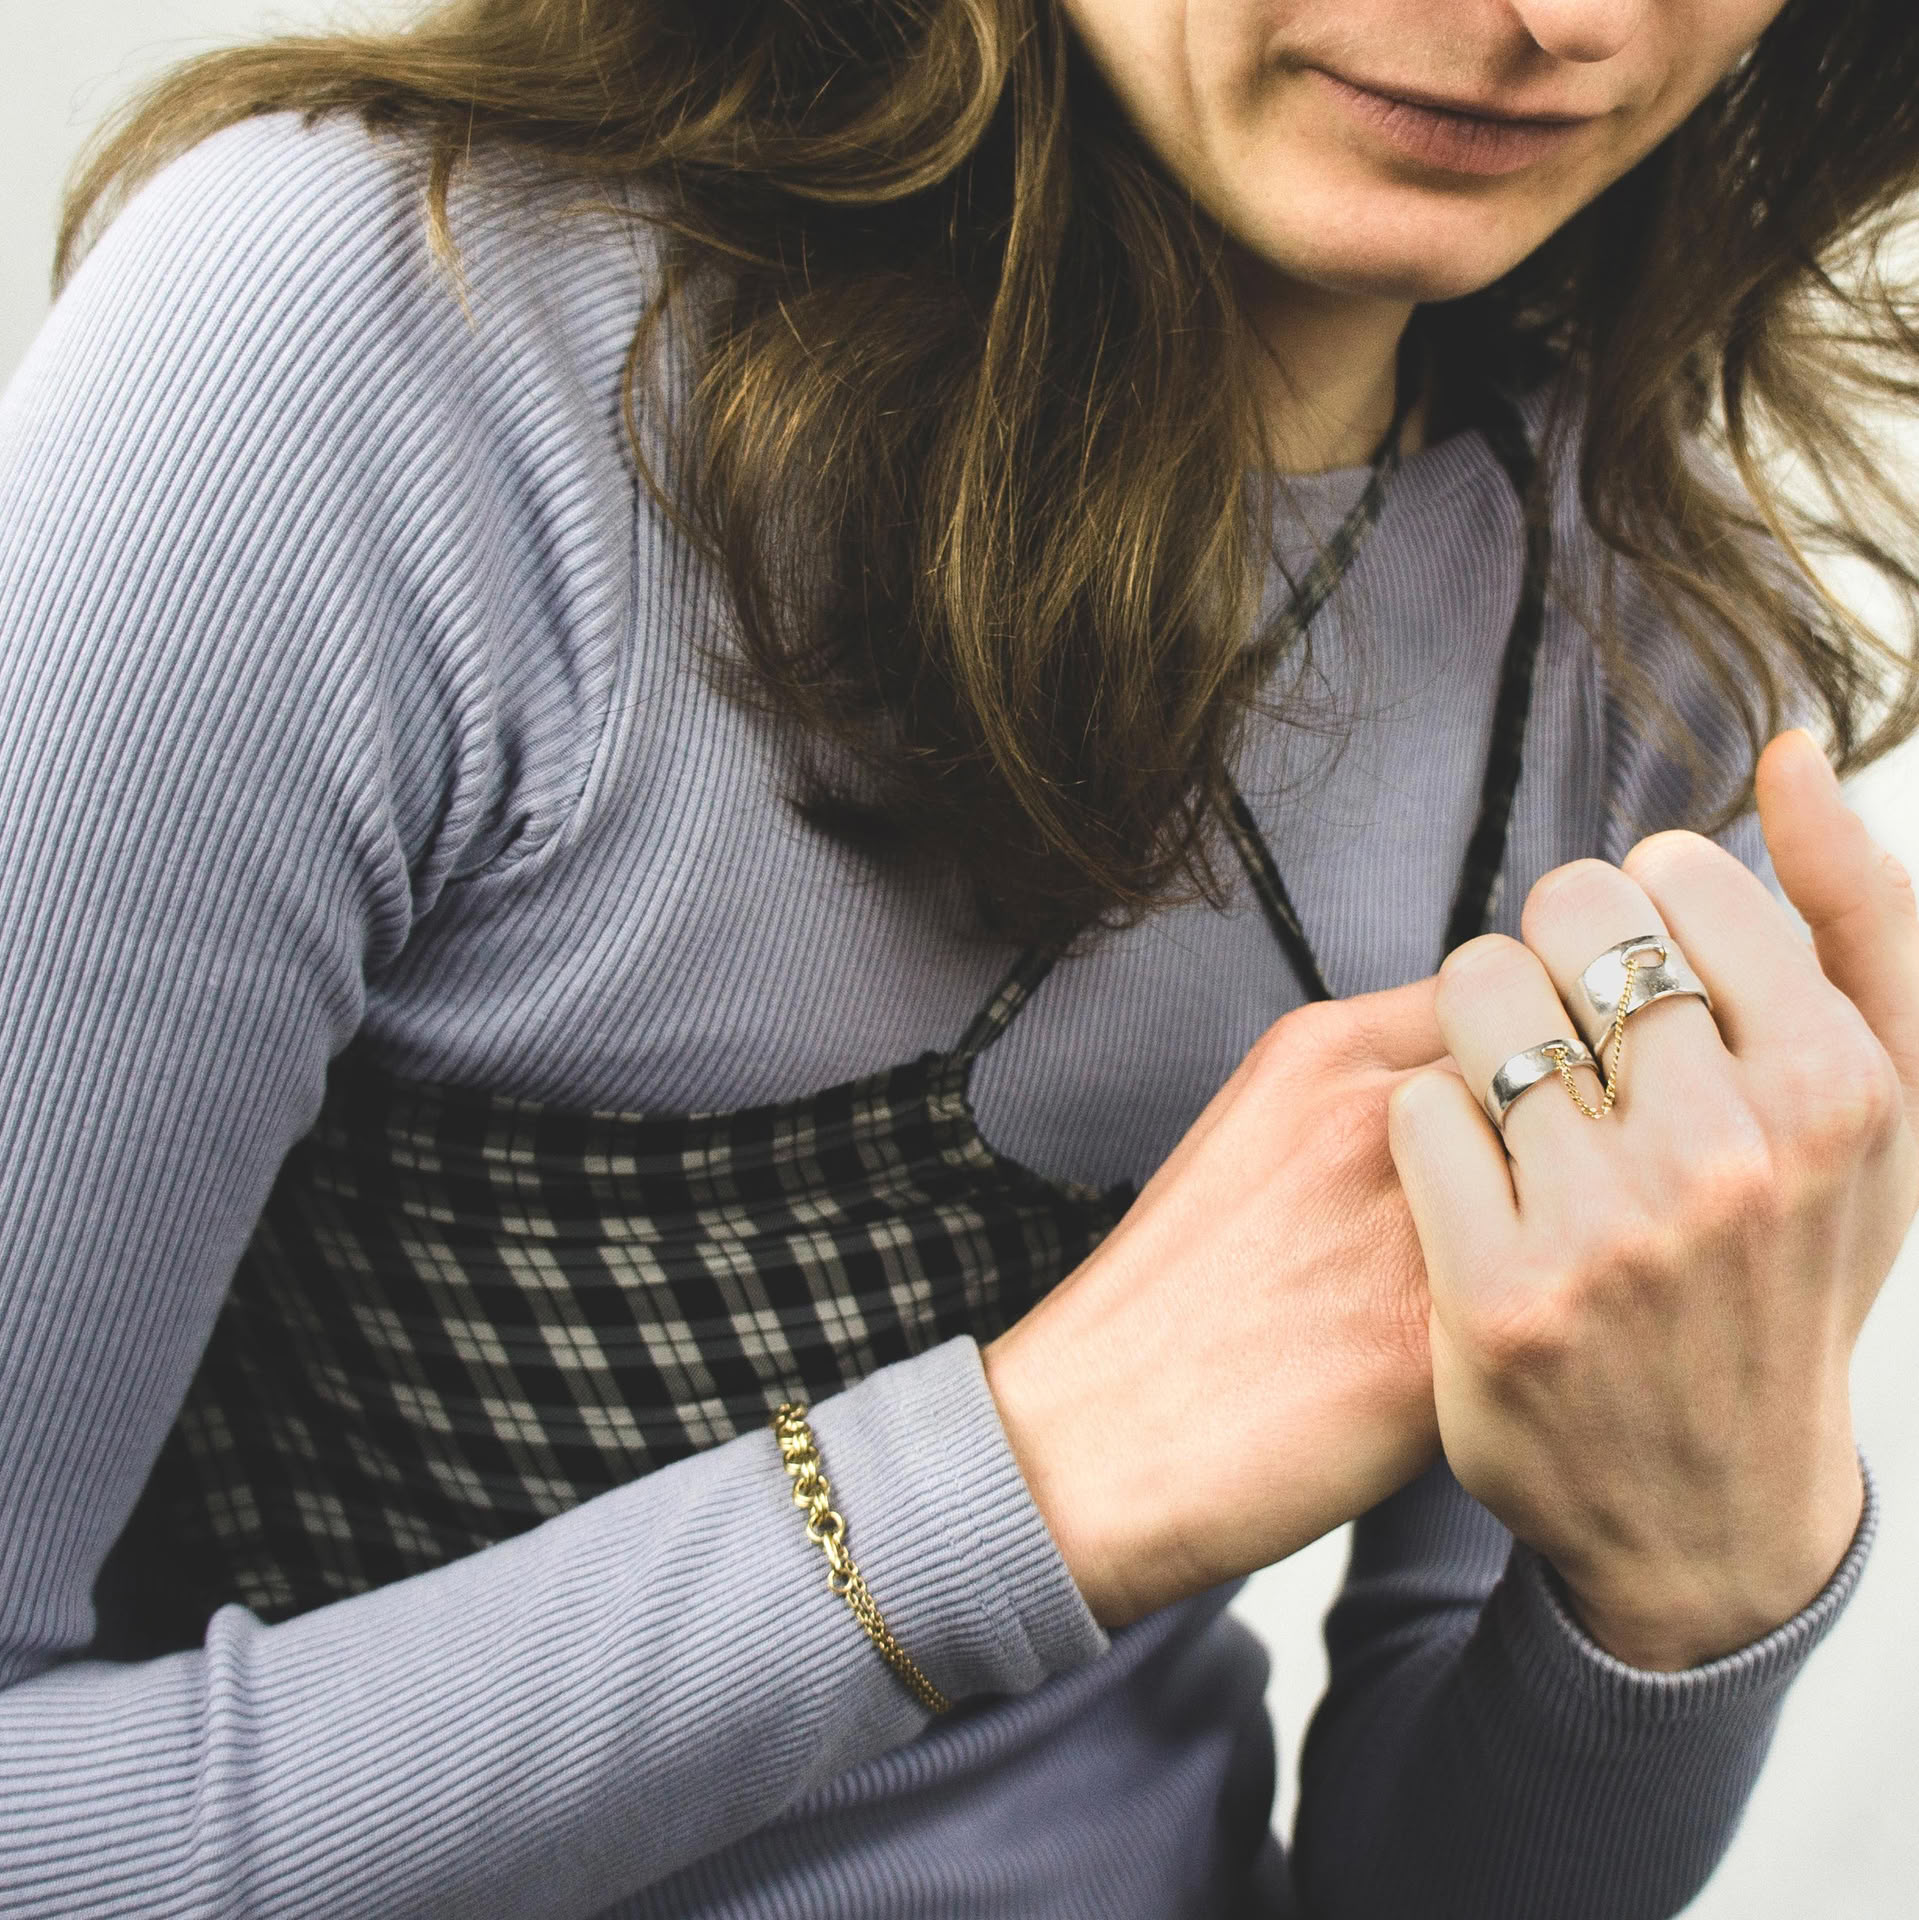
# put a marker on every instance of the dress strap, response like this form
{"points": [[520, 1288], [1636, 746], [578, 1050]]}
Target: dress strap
{"points": [[1019, 984]]}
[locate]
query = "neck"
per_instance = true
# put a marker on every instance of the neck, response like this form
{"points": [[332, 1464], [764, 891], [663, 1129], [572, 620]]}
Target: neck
{"points": [[1325, 370]]}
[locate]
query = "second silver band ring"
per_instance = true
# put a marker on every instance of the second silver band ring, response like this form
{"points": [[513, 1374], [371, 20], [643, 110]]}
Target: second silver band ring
{"points": [[1526, 1070], [1661, 973]]}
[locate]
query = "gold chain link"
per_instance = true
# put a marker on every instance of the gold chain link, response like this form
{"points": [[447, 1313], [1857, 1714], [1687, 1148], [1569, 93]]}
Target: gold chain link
{"points": [[813, 1495], [1615, 1040]]}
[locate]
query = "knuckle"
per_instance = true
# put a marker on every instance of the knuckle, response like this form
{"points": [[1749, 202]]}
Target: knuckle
{"points": [[1263, 1055], [1414, 1104], [1305, 1045], [1481, 967], [1638, 1257], [1575, 880], [1636, 1264], [1845, 1102], [1579, 891], [1674, 854], [1899, 880], [1350, 1130], [1309, 1030], [1729, 1190], [1881, 1101], [1526, 1334], [1727, 1168], [1731, 1187], [1404, 1100], [1482, 950], [1630, 1278]]}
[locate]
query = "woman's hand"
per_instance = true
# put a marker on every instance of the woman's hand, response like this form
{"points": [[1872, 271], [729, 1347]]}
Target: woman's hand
{"points": [[1642, 1326], [1242, 1364]]}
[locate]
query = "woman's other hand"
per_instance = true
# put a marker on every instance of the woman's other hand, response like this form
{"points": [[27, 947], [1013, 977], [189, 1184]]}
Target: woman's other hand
{"points": [[1242, 1365], [1642, 1327]]}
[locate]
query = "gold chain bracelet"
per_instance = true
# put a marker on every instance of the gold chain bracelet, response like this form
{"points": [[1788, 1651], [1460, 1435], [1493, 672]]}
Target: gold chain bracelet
{"points": [[827, 1530]]}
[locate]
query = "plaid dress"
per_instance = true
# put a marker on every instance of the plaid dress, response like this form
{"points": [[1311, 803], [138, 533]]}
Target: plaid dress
{"points": [[463, 1314]]}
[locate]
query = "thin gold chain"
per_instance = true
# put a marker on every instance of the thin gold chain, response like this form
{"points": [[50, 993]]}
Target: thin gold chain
{"points": [[813, 1495], [1615, 1040]]}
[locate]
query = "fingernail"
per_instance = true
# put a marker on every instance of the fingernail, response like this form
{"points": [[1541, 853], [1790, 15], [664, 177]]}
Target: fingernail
{"points": [[1468, 951]]}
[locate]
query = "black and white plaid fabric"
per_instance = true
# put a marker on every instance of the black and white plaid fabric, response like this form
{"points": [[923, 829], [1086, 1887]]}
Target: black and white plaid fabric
{"points": [[463, 1314]]}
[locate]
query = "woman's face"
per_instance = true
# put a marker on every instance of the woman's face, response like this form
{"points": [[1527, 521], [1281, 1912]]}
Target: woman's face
{"points": [[1411, 149]]}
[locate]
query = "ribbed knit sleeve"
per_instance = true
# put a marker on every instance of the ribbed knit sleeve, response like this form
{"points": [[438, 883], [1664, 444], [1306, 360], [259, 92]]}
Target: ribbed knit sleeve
{"points": [[1478, 1757], [312, 586]]}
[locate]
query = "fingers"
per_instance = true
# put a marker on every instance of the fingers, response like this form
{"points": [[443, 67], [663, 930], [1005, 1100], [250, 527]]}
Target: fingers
{"points": [[1575, 914], [1453, 1171], [1857, 900], [1764, 981], [1495, 1000]]}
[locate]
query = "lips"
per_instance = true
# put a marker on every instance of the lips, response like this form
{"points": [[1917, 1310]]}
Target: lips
{"points": [[1447, 138]]}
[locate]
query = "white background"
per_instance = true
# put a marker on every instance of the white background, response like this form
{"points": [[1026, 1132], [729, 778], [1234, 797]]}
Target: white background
{"points": [[1831, 1834]]}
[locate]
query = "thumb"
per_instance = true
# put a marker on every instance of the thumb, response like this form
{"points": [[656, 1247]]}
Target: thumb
{"points": [[1856, 898]]}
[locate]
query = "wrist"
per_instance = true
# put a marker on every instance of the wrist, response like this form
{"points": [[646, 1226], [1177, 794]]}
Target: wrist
{"points": [[1666, 1620], [1158, 1480], [1072, 1444]]}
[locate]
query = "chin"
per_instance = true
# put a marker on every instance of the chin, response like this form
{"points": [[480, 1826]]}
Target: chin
{"points": [[1420, 252], [1425, 281], [1431, 270]]}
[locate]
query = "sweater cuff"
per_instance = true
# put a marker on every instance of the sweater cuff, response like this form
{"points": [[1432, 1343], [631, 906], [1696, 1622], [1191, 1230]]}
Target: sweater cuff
{"points": [[1566, 1669], [942, 1526]]}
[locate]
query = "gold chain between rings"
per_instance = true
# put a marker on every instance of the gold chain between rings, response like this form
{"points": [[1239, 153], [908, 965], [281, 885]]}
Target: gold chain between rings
{"points": [[1615, 1040], [813, 1495]]}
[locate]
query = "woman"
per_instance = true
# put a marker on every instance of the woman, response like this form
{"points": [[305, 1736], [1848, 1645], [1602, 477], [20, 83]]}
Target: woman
{"points": [[630, 633]]}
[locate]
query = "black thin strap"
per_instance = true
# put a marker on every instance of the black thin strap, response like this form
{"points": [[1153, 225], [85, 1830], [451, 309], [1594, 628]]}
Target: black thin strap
{"points": [[1318, 585], [1500, 423], [1021, 981], [1504, 430], [1274, 901], [1334, 560], [1473, 902]]}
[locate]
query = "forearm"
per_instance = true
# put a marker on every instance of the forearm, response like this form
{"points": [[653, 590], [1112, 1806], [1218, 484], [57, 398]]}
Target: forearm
{"points": [[561, 1719]]}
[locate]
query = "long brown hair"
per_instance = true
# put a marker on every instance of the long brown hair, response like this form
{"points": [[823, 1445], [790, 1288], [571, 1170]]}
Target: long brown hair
{"points": [[965, 442]]}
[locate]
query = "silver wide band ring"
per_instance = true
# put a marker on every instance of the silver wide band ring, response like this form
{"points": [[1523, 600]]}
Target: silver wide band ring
{"points": [[1661, 973], [1526, 1070]]}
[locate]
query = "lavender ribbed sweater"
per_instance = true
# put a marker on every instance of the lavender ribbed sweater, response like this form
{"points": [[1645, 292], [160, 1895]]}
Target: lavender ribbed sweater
{"points": [[349, 685]]}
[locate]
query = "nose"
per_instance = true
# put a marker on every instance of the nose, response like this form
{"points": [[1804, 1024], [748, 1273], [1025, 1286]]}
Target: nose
{"points": [[1583, 30]]}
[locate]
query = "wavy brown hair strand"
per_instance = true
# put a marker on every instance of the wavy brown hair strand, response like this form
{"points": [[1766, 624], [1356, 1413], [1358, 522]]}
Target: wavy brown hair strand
{"points": [[966, 438]]}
